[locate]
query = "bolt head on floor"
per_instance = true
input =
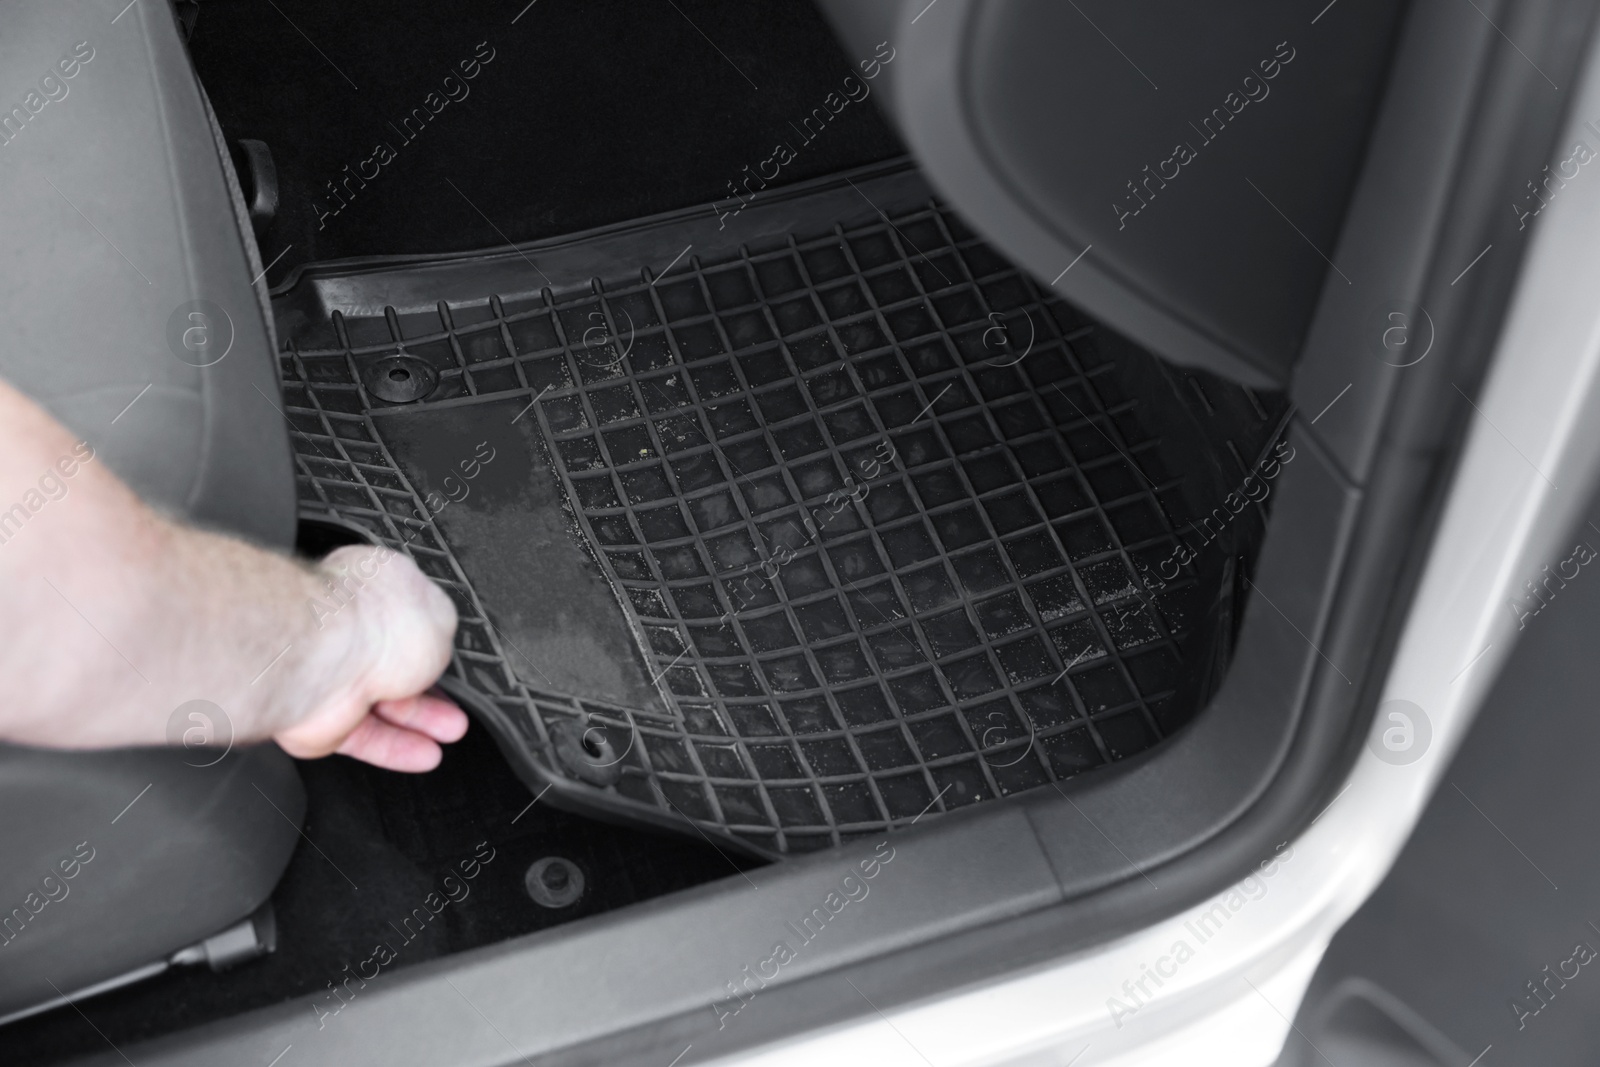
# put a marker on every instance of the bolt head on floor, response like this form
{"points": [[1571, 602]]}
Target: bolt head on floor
{"points": [[554, 882]]}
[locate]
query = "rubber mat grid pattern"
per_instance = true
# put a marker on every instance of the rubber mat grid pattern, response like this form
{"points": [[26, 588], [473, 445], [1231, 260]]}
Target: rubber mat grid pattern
{"points": [[874, 505]]}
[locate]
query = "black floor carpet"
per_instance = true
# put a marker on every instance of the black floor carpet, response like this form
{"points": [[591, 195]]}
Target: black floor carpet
{"points": [[376, 845], [578, 113]]}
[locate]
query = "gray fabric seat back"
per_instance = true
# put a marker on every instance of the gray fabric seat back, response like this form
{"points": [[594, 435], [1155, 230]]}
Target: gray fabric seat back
{"points": [[132, 316]]}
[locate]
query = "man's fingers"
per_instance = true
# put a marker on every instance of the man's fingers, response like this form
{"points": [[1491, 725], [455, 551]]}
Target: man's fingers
{"points": [[400, 735], [425, 714], [383, 744]]}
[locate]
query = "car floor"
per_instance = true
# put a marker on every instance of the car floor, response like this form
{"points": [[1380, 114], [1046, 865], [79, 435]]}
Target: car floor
{"points": [[577, 115]]}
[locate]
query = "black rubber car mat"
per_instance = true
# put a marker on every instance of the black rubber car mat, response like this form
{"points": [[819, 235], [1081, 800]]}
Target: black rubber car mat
{"points": [[807, 537]]}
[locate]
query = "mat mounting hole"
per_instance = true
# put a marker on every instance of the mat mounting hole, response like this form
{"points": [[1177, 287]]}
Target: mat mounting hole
{"points": [[401, 378], [586, 752]]}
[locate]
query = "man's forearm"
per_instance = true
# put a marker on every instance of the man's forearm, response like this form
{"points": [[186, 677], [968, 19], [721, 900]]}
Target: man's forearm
{"points": [[116, 615]]}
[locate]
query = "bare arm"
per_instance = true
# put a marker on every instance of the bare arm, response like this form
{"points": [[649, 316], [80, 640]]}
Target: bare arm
{"points": [[114, 616]]}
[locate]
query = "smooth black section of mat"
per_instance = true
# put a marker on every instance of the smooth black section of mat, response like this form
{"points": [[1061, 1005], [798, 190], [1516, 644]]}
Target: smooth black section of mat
{"points": [[394, 837], [894, 527], [495, 501], [588, 113]]}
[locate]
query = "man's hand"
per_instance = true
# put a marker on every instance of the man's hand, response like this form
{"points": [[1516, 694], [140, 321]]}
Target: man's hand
{"points": [[397, 643], [116, 616]]}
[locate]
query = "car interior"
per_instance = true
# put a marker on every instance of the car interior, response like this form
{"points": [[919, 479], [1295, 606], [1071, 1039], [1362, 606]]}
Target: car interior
{"points": [[895, 436]]}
